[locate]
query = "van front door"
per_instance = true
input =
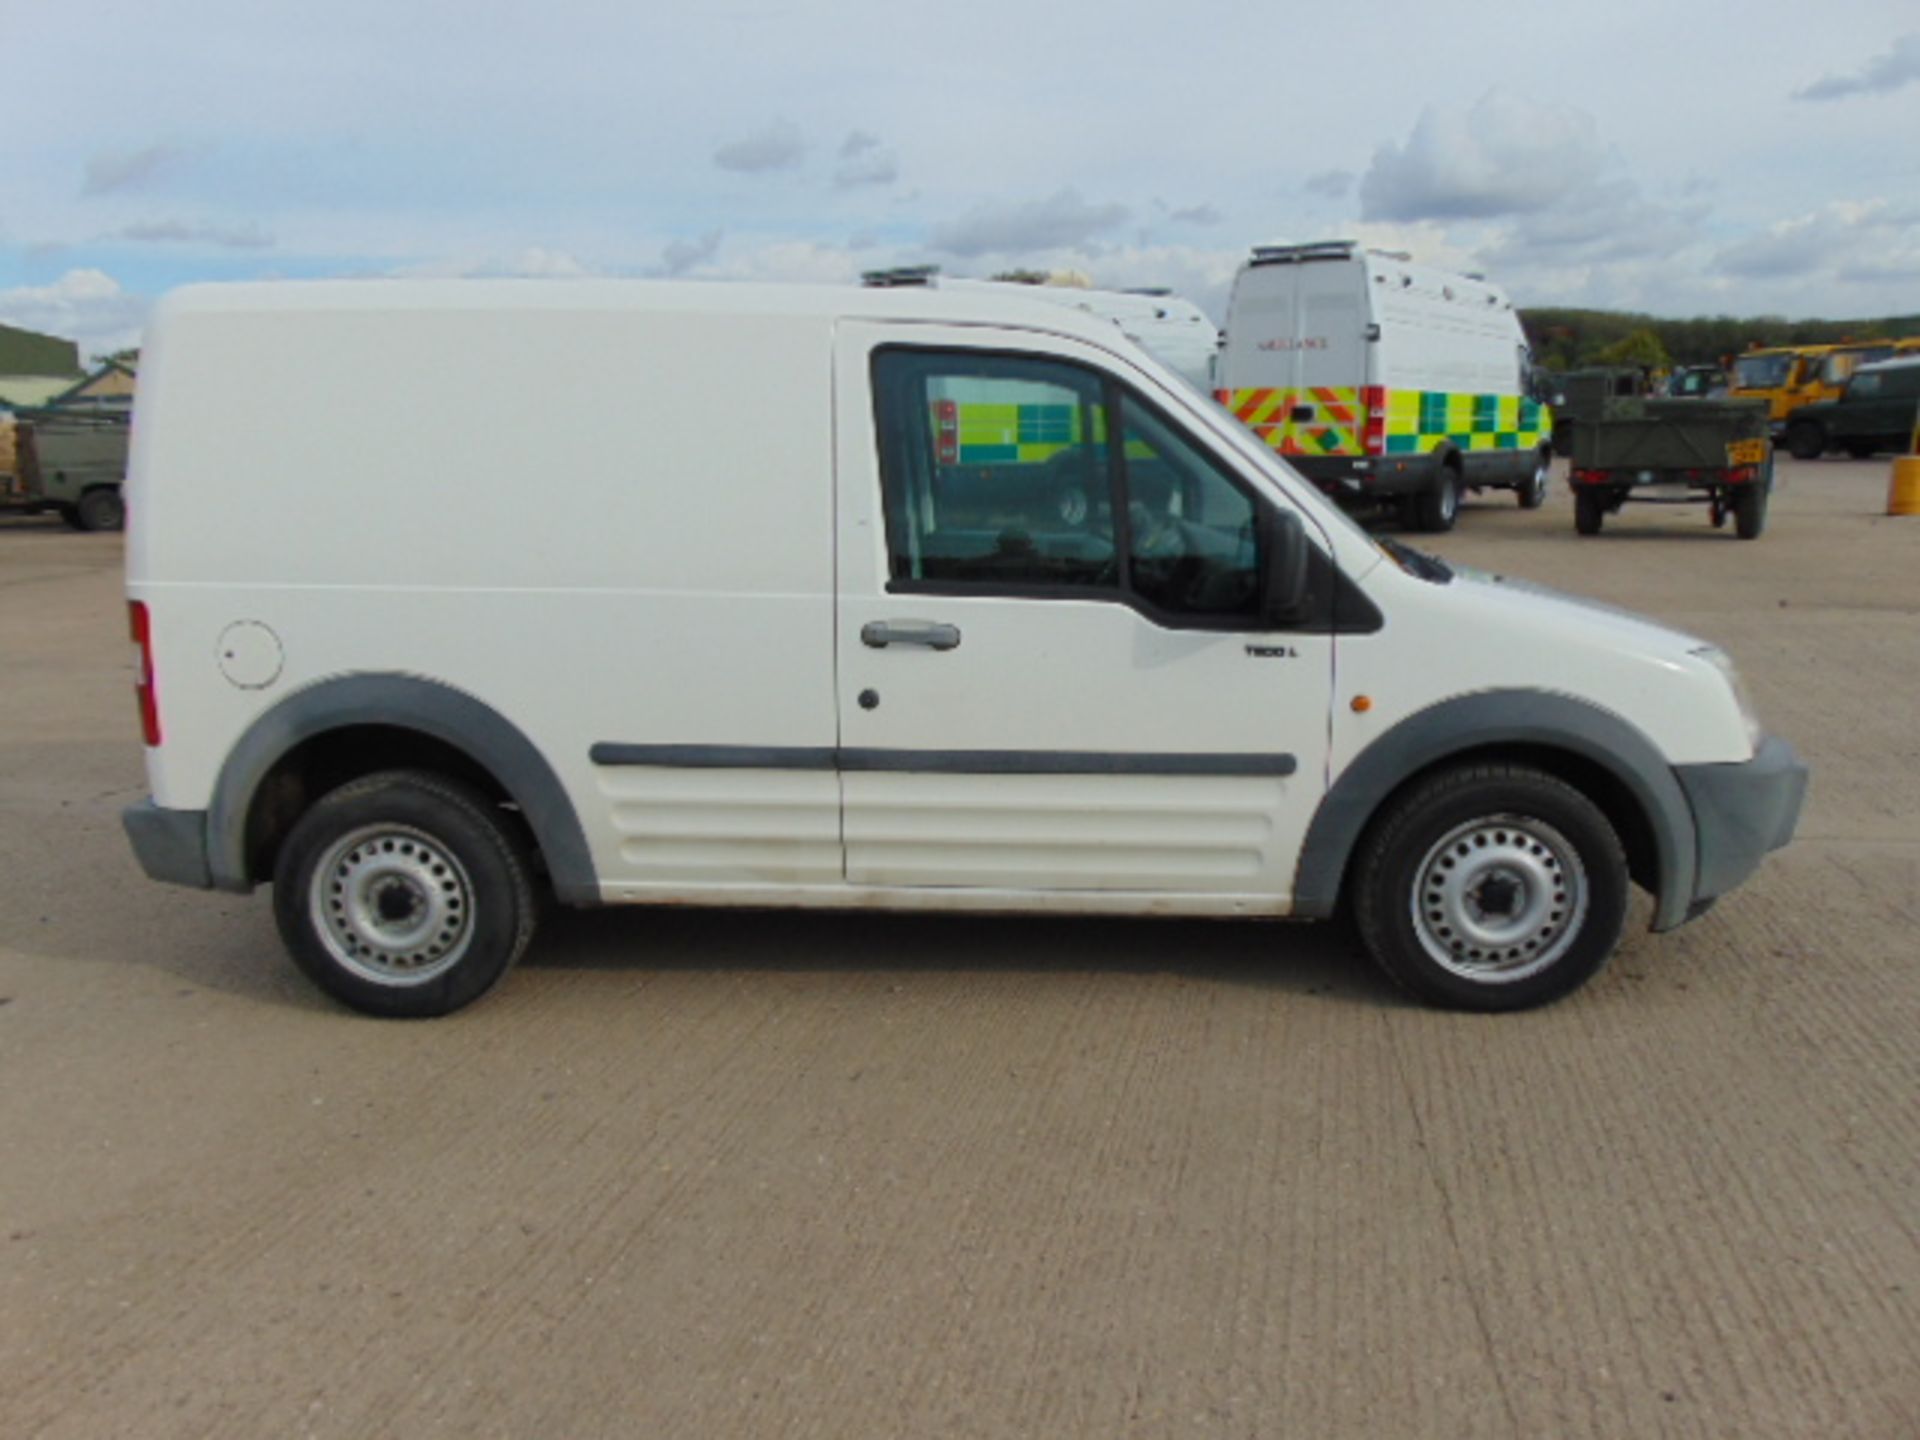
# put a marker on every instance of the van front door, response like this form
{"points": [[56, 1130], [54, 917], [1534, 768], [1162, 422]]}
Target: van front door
{"points": [[1053, 674]]}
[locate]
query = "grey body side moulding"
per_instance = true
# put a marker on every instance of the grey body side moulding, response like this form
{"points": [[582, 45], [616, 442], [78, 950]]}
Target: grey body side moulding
{"points": [[942, 762], [1490, 719], [405, 702]]}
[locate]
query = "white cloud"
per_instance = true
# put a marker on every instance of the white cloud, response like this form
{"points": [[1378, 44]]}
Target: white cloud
{"points": [[1507, 155], [84, 305], [778, 147], [1062, 221], [1850, 241], [1899, 66]]}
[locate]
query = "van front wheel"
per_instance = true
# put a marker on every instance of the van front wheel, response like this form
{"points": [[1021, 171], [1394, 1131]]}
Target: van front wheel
{"points": [[1491, 887], [402, 894]]}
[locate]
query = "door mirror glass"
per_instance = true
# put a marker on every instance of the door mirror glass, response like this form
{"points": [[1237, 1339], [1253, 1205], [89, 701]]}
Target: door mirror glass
{"points": [[1284, 583]]}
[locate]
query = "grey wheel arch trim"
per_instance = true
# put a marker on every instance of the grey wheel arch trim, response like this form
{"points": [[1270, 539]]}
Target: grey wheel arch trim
{"points": [[1492, 718], [405, 702]]}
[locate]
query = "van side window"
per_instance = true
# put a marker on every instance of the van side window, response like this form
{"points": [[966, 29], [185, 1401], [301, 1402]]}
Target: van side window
{"points": [[1018, 476], [1192, 540], [995, 471]]}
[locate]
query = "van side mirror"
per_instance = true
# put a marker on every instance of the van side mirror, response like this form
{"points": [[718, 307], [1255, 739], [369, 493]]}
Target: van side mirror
{"points": [[1283, 581]]}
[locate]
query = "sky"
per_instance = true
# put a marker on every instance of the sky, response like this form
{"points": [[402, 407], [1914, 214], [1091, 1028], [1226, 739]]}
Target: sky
{"points": [[1709, 158]]}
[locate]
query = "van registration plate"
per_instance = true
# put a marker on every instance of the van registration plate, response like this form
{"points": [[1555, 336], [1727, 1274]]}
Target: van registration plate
{"points": [[1747, 452]]}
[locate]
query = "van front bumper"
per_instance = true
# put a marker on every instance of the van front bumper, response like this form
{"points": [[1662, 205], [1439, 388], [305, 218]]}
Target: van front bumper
{"points": [[171, 845], [1741, 813]]}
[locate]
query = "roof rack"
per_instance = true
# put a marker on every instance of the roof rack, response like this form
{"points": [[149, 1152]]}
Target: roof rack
{"points": [[1295, 254], [900, 275]]}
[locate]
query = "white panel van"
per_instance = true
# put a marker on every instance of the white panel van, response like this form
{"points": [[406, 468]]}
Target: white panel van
{"points": [[739, 617], [1385, 381]]}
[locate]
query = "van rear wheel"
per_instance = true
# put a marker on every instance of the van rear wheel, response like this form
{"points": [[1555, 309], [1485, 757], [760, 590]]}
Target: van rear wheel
{"points": [[1491, 887], [402, 894], [1532, 491], [1438, 506]]}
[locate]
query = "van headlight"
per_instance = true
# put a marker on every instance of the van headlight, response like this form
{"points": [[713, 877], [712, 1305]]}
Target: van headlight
{"points": [[1723, 662]]}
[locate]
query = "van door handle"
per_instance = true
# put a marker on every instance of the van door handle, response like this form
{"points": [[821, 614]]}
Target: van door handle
{"points": [[881, 633]]}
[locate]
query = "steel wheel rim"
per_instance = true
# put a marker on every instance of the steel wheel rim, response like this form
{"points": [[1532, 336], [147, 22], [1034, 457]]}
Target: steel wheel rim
{"points": [[1449, 497], [1499, 898], [392, 904]]}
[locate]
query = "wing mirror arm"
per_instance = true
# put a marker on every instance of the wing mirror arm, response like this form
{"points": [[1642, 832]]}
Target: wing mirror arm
{"points": [[1283, 547]]}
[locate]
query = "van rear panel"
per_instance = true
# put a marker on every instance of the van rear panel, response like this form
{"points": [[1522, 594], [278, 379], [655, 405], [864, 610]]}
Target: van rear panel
{"points": [[607, 522]]}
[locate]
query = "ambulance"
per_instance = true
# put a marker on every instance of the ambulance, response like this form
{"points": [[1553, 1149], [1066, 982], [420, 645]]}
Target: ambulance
{"points": [[1384, 381]]}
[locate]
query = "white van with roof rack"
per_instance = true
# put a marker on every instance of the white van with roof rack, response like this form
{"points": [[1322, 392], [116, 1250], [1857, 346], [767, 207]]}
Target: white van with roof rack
{"points": [[1384, 381], [1175, 331], [828, 658]]}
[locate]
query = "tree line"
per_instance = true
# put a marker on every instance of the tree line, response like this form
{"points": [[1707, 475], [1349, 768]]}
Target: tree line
{"points": [[1569, 339]]}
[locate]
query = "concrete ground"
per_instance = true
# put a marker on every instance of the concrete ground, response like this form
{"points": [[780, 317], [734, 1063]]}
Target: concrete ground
{"points": [[708, 1174]]}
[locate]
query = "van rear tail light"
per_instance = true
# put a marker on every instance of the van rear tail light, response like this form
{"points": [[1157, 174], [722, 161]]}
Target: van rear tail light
{"points": [[1374, 440], [142, 626], [947, 427]]}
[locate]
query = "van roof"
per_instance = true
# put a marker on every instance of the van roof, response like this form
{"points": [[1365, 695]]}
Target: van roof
{"points": [[995, 305]]}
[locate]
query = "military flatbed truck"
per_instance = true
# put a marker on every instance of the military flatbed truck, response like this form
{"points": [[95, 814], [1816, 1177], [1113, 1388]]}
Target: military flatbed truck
{"points": [[70, 462], [1674, 452]]}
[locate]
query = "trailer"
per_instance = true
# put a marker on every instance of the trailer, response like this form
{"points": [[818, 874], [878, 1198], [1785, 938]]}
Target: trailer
{"points": [[1674, 452]]}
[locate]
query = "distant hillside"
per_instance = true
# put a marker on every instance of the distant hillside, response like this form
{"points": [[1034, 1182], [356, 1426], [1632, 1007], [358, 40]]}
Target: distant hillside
{"points": [[1563, 339]]}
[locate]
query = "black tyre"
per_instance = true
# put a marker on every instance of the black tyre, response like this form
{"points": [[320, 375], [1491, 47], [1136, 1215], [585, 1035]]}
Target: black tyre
{"points": [[1589, 511], [1491, 887], [1438, 506], [71, 515], [1749, 511], [1806, 440], [101, 509], [1532, 491], [402, 894]]}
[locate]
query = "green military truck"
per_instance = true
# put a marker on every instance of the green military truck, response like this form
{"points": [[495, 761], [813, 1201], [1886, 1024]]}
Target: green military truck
{"points": [[1874, 414], [1579, 396], [70, 461], [1674, 452]]}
